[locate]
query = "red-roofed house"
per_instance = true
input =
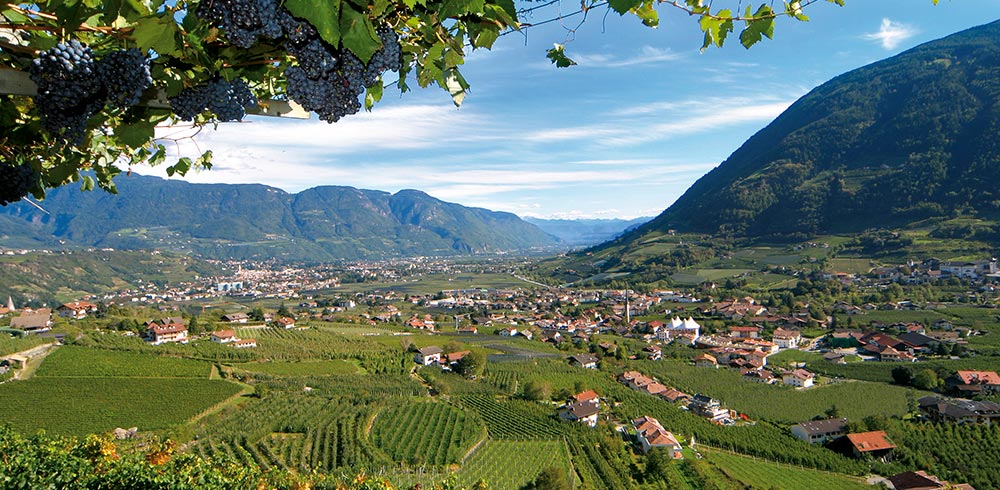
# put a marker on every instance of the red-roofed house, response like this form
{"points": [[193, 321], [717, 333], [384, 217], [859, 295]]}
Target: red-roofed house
{"points": [[76, 310], [589, 396], [650, 434], [705, 360], [224, 336], [744, 332], [245, 344], [975, 382], [875, 444], [172, 332], [799, 378]]}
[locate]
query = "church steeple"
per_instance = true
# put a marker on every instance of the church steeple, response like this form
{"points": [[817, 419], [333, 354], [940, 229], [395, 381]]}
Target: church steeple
{"points": [[10, 304]]}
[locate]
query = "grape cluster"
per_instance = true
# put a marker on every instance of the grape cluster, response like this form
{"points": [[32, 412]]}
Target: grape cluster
{"points": [[227, 100], [243, 20], [16, 181], [325, 80], [73, 86], [69, 92], [125, 75]]}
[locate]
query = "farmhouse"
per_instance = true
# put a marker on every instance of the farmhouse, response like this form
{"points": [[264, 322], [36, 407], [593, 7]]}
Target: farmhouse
{"points": [[588, 361], [820, 431], [744, 332], [236, 318], [37, 321], [787, 339], [224, 336], [705, 360], [707, 407], [920, 480], [799, 378], [959, 411], [76, 310], [581, 412], [589, 396], [973, 382], [650, 434], [285, 322], [873, 444], [244, 343], [172, 332], [653, 352], [428, 355]]}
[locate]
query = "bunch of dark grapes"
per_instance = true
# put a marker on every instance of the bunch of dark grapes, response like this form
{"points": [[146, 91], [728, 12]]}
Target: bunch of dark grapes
{"points": [[243, 20], [326, 80], [69, 92], [72, 86], [125, 76], [227, 100], [16, 181]]}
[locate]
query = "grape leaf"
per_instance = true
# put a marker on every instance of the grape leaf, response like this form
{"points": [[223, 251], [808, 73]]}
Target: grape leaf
{"points": [[357, 33], [324, 15]]}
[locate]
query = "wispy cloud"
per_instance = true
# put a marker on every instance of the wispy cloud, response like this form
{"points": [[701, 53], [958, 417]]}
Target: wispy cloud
{"points": [[891, 34], [646, 55]]}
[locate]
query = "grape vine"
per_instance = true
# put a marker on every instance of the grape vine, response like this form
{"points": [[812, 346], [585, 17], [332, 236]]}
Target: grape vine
{"points": [[16, 181]]}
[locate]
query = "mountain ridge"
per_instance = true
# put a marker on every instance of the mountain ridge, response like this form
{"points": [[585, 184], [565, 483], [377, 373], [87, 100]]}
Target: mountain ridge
{"points": [[256, 221]]}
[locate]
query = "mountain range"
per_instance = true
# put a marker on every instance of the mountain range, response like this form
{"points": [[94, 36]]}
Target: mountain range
{"points": [[257, 221], [912, 140], [583, 232]]}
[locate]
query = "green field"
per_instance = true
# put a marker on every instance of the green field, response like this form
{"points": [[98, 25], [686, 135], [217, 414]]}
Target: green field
{"points": [[10, 344], [74, 361], [79, 406]]}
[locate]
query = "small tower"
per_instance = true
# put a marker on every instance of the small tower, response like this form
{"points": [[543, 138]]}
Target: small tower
{"points": [[10, 304]]}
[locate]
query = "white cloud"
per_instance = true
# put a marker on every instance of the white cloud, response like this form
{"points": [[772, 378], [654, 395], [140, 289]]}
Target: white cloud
{"points": [[891, 34]]}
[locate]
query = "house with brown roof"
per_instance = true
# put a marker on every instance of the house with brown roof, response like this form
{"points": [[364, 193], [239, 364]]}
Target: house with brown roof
{"points": [[873, 444], [589, 396], [820, 431], [799, 378], [652, 352], [959, 411], [920, 480], [428, 355], [674, 395], [974, 382], [581, 412], [36, 321], [158, 334], [705, 360], [244, 344], [588, 361], [787, 338], [224, 336], [236, 318], [285, 322], [650, 435], [76, 310], [744, 332]]}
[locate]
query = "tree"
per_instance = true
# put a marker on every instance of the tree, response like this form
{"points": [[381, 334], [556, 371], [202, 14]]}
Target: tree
{"points": [[109, 72], [537, 390], [471, 365], [551, 478], [284, 311], [194, 326], [902, 375], [925, 379], [257, 314]]}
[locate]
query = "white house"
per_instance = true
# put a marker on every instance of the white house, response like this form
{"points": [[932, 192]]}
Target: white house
{"points": [[799, 378], [428, 355], [787, 339], [650, 434]]}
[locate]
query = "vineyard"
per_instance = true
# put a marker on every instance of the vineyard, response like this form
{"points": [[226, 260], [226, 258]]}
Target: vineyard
{"points": [[756, 473], [514, 419], [512, 464], [79, 406], [10, 344], [426, 432], [304, 368], [74, 361], [295, 431]]}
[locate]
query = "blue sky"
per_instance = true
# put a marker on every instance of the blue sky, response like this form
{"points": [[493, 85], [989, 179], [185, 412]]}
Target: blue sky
{"points": [[621, 135]]}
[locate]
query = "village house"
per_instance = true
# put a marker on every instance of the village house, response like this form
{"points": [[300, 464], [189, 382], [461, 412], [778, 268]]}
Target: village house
{"points": [[820, 431], [285, 322], [244, 343], [236, 318], [76, 310], [744, 332], [673, 395], [759, 375], [584, 412], [448, 361], [958, 410], [705, 360], [974, 382], [428, 355], [874, 444], [708, 407], [588, 361], [158, 334], [787, 339], [653, 352], [36, 321], [224, 336], [920, 480], [799, 378], [650, 435]]}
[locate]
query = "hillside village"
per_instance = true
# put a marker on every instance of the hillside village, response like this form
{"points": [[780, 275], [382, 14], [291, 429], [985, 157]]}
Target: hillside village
{"points": [[600, 330]]}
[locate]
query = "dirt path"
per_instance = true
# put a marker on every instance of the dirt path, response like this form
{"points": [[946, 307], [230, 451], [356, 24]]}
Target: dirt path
{"points": [[35, 356]]}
